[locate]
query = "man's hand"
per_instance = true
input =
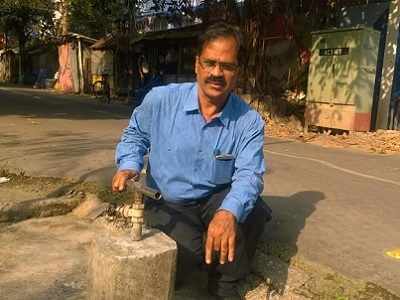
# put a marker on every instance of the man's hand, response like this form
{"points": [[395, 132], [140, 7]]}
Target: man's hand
{"points": [[221, 237], [121, 177]]}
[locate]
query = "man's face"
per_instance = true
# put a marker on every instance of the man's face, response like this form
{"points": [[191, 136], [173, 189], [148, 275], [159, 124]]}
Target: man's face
{"points": [[217, 68]]}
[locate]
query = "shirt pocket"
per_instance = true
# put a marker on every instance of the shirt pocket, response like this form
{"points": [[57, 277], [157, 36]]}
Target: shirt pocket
{"points": [[223, 168]]}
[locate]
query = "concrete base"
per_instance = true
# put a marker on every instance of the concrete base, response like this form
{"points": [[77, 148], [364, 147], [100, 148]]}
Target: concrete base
{"points": [[120, 268]]}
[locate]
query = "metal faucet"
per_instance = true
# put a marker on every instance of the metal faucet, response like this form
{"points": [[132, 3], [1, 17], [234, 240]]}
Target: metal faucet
{"points": [[135, 211]]}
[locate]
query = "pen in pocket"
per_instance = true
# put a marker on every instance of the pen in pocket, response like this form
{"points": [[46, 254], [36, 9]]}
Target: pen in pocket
{"points": [[224, 157]]}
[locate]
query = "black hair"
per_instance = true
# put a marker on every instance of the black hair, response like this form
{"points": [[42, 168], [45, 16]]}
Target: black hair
{"points": [[219, 30]]}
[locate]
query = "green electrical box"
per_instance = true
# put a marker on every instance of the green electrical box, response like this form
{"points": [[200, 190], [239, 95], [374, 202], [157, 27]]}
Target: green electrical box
{"points": [[341, 78]]}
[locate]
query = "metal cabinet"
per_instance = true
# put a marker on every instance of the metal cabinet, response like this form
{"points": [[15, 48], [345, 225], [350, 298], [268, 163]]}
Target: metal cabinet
{"points": [[341, 79]]}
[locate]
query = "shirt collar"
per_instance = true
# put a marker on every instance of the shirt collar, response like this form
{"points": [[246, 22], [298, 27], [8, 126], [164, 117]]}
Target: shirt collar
{"points": [[192, 104]]}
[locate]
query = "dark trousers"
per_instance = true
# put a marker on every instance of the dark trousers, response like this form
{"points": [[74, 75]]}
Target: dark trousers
{"points": [[187, 224]]}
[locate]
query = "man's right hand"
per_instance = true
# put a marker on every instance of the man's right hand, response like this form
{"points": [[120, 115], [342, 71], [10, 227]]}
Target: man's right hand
{"points": [[121, 177]]}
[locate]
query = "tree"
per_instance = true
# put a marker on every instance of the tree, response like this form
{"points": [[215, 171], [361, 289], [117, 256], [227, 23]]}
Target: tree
{"points": [[281, 25], [94, 18], [26, 20], [97, 18], [276, 34]]}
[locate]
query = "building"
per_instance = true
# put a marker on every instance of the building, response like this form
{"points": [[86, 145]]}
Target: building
{"points": [[169, 53], [74, 57], [8, 65]]}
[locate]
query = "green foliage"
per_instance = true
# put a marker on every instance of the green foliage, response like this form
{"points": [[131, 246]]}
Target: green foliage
{"points": [[26, 18], [97, 18], [91, 17]]}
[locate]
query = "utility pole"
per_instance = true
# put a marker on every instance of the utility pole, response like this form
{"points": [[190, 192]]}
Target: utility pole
{"points": [[389, 63]]}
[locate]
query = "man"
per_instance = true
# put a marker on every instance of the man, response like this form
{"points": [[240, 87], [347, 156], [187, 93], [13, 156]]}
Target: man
{"points": [[206, 159]]}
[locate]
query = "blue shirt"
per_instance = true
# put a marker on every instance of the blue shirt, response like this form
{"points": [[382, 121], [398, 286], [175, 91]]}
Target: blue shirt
{"points": [[189, 158]]}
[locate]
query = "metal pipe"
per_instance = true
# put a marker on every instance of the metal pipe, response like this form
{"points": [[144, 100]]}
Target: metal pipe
{"points": [[135, 211], [145, 190]]}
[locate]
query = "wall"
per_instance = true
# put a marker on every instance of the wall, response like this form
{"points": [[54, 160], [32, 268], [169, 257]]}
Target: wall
{"points": [[8, 67], [102, 63], [65, 82]]}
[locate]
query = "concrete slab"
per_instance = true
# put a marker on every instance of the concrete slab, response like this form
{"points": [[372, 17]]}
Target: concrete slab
{"points": [[45, 258], [121, 268]]}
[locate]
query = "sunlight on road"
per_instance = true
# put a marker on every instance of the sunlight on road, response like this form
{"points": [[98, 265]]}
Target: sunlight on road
{"points": [[394, 253]]}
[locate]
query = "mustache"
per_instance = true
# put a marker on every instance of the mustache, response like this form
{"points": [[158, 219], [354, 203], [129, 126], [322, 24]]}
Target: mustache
{"points": [[216, 79]]}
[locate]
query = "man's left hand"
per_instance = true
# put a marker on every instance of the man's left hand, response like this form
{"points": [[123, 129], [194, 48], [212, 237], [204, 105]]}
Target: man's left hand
{"points": [[221, 237]]}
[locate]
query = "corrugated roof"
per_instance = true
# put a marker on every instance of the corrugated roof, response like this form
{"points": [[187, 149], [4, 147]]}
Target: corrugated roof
{"points": [[81, 36], [192, 31], [72, 35], [342, 29], [176, 33]]}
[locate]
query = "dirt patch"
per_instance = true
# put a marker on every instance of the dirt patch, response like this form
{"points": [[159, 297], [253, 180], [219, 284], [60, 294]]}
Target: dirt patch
{"points": [[35, 186], [24, 187], [24, 197], [327, 284], [291, 277]]}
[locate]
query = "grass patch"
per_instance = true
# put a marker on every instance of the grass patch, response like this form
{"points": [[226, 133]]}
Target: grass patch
{"points": [[277, 249], [326, 284]]}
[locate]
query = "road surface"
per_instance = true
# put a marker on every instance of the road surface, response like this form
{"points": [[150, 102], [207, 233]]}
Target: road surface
{"points": [[334, 207]]}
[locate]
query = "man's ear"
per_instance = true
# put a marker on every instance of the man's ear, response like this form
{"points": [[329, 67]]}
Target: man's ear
{"points": [[196, 64]]}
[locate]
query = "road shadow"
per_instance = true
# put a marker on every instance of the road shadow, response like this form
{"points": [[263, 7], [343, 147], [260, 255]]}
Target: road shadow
{"points": [[34, 104], [278, 244], [276, 142]]}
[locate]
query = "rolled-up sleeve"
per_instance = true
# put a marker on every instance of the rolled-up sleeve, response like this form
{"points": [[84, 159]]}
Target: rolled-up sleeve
{"points": [[247, 181], [135, 140]]}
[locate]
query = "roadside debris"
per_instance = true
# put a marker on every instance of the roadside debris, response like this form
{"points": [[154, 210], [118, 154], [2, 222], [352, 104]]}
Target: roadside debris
{"points": [[4, 179], [380, 141], [394, 253]]}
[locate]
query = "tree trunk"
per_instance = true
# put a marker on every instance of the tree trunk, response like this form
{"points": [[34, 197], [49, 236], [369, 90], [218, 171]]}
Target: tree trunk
{"points": [[65, 21]]}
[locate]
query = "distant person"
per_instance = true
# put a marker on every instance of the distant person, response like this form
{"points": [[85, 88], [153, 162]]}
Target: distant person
{"points": [[144, 72], [151, 80], [205, 149], [40, 80]]}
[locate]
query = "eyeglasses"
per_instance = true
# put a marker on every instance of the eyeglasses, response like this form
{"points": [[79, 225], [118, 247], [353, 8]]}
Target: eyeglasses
{"points": [[209, 65]]}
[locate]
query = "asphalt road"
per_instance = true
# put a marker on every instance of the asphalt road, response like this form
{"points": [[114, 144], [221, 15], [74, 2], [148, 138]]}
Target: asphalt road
{"points": [[335, 207]]}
